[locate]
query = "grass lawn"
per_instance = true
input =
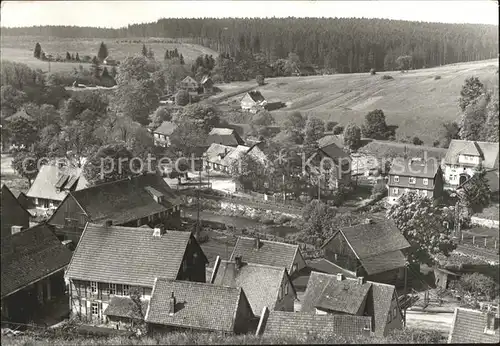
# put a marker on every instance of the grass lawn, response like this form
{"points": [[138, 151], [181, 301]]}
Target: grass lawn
{"points": [[20, 49], [414, 101]]}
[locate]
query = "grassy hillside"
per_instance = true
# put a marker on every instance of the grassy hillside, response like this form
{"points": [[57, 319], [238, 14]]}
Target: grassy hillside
{"points": [[416, 102], [20, 49]]}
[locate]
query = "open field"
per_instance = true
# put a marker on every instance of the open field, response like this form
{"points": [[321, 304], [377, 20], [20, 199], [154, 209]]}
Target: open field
{"points": [[414, 101], [20, 49]]}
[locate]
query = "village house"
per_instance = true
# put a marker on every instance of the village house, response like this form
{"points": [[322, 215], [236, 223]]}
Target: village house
{"points": [[14, 217], [253, 101], [372, 249], [422, 177], [474, 327], [284, 324], [194, 306], [340, 172], [223, 157], [112, 262], [33, 264], [207, 84], [464, 157], [224, 136], [337, 295], [264, 286], [163, 132], [189, 84], [271, 253], [53, 183], [135, 201]]}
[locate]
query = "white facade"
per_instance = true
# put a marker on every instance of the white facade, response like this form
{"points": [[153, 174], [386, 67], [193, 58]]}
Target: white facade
{"points": [[452, 173]]}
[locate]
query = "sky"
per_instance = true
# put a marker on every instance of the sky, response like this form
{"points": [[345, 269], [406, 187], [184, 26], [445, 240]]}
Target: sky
{"points": [[115, 14]]}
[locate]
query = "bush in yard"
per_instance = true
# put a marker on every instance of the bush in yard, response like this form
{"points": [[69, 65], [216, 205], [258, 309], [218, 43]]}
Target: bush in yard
{"points": [[182, 98], [260, 79], [387, 77], [477, 285], [417, 141], [437, 77], [373, 72], [338, 130]]}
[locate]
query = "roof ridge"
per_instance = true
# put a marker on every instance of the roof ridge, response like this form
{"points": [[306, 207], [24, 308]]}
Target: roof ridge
{"points": [[270, 241], [259, 265], [198, 283]]}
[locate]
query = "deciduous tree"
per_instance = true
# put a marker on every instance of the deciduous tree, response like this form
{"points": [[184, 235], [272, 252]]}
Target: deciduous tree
{"points": [[471, 91], [314, 130], [352, 137], [423, 225], [375, 126]]}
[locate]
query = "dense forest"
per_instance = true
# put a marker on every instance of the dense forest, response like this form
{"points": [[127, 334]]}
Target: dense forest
{"points": [[340, 44]]}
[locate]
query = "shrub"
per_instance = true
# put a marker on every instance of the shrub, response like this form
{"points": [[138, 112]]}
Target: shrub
{"points": [[182, 98], [386, 76], [437, 77], [260, 79], [373, 72], [330, 126], [478, 284], [417, 141], [337, 130]]}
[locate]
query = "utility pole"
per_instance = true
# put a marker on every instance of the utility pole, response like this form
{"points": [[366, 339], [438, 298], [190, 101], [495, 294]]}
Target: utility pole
{"points": [[319, 187], [198, 214]]}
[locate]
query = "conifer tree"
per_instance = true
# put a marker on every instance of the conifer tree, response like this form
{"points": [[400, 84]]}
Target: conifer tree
{"points": [[103, 52], [144, 50], [38, 51]]}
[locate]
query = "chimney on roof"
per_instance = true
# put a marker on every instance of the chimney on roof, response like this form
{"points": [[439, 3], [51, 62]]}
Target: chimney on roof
{"points": [[361, 280], [238, 262], [108, 223], [158, 231], [171, 307], [257, 243], [340, 276]]}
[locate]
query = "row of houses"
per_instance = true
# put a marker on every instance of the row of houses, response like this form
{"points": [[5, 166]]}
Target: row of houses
{"points": [[120, 274]]}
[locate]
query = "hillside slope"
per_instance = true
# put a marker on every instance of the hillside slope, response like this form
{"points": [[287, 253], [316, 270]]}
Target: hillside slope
{"points": [[414, 101], [20, 49]]}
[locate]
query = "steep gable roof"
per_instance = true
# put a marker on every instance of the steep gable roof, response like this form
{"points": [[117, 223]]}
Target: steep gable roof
{"points": [[256, 96], [217, 152], [377, 245], [487, 150], [198, 305], [378, 300], [324, 141], [269, 253], [469, 327], [333, 151], [125, 200], [9, 202], [189, 80], [347, 297], [30, 255], [261, 283], [300, 324], [54, 183], [224, 136], [127, 255], [166, 128]]}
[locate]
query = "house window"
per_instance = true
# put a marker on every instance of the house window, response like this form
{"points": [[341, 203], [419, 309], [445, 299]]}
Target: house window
{"points": [[95, 309], [423, 193], [280, 293], [126, 290], [389, 317], [394, 312], [112, 288], [425, 181], [93, 286], [150, 218], [294, 267], [395, 191], [286, 289], [412, 180], [396, 179]]}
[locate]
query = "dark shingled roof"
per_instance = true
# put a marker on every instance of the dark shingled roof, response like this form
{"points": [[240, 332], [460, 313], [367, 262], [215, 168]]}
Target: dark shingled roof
{"points": [[300, 324], [127, 255], [378, 300], [469, 326], [198, 305], [270, 253], [125, 200], [30, 255], [11, 211], [333, 151], [261, 283], [125, 307], [347, 297], [377, 245], [256, 96]]}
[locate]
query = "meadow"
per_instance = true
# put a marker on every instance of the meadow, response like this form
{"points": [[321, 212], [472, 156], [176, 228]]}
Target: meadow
{"points": [[415, 101], [20, 49]]}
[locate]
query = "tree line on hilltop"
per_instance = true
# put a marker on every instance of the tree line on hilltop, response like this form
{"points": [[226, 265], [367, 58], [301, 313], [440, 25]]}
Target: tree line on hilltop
{"points": [[341, 44]]}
